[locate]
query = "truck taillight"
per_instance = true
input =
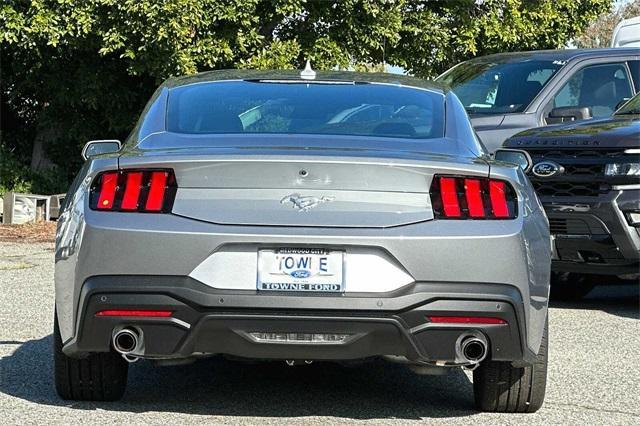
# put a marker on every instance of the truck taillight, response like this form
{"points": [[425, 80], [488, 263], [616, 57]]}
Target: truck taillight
{"points": [[456, 197], [143, 191]]}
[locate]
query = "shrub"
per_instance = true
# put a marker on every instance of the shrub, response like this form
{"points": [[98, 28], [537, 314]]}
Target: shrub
{"points": [[16, 176]]}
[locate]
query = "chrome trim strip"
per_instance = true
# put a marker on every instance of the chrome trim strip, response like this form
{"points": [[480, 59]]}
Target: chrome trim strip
{"points": [[632, 151], [623, 187], [181, 323]]}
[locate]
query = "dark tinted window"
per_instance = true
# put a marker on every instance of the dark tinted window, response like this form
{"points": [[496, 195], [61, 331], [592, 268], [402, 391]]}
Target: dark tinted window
{"points": [[597, 87], [494, 88], [634, 66], [306, 108]]}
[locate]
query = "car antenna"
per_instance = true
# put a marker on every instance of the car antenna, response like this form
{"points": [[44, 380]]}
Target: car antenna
{"points": [[308, 73]]}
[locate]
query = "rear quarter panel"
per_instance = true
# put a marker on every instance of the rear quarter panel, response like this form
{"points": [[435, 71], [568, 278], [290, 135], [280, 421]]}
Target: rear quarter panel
{"points": [[69, 241], [536, 246]]}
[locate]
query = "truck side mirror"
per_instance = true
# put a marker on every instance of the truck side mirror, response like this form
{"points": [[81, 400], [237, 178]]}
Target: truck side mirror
{"points": [[564, 114], [93, 148], [515, 156]]}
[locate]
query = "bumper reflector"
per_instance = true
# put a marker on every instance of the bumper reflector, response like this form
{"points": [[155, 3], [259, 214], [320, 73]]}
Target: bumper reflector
{"points": [[133, 313], [263, 337], [467, 320]]}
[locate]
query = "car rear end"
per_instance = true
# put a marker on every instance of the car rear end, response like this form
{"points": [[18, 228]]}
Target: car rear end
{"points": [[197, 278], [304, 248]]}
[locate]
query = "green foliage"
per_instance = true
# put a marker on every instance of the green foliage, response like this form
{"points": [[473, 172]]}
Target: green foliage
{"points": [[79, 70], [15, 176]]}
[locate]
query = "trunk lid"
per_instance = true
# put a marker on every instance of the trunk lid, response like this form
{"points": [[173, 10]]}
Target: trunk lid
{"points": [[306, 186]]}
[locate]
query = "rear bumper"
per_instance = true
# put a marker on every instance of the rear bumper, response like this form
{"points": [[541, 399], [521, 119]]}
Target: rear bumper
{"points": [[208, 321]]}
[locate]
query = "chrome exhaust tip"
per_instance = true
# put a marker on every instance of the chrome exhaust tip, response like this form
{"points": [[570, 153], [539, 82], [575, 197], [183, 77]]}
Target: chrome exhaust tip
{"points": [[473, 349], [126, 341]]}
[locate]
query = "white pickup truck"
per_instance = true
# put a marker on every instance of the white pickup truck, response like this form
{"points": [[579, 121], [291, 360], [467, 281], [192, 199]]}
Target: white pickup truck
{"points": [[627, 33]]}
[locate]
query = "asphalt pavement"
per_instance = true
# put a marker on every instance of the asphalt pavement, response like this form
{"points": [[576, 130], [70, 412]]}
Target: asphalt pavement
{"points": [[594, 376]]}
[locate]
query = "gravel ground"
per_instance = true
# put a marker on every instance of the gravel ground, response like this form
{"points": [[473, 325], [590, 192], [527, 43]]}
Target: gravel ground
{"points": [[593, 373]]}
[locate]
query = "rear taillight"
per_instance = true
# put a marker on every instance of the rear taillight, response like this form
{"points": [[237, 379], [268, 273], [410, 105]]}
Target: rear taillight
{"points": [[466, 320], [133, 313], [144, 191], [455, 197]]}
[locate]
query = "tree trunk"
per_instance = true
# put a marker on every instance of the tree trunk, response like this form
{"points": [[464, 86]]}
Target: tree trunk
{"points": [[39, 159]]}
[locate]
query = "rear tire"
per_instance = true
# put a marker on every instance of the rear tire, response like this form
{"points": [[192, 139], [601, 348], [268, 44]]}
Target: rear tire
{"points": [[98, 377], [499, 387], [572, 286]]}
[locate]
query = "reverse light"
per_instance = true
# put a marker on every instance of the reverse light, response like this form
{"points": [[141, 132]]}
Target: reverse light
{"points": [[454, 197], [622, 169], [466, 320], [272, 337], [143, 191], [133, 313]]}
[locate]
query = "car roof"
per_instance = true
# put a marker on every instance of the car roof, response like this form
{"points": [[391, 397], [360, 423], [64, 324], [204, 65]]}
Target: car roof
{"points": [[557, 55], [294, 76]]}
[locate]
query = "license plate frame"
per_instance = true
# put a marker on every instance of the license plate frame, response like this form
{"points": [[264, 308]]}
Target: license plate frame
{"points": [[309, 274]]}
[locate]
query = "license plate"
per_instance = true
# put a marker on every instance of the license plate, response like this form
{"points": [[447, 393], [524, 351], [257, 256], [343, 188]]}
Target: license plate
{"points": [[313, 270]]}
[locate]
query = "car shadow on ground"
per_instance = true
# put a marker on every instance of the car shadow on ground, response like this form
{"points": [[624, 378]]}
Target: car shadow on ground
{"points": [[621, 298], [372, 390]]}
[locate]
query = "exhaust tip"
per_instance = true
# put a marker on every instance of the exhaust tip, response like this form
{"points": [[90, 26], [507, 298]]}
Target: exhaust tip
{"points": [[125, 341], [474, 349]]}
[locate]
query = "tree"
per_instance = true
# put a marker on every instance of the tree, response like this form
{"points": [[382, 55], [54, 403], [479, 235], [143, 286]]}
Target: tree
{"points": [[600, 32], [73, 71]]}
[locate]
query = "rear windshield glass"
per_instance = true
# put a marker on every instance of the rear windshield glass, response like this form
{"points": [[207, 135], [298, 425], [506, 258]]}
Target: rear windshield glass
{"points": [[367, 109], [496, 88]]}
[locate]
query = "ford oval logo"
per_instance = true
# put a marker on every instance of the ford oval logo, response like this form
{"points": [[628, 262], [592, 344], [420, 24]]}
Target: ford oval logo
{"points": [[546, 169], [300, 273]]}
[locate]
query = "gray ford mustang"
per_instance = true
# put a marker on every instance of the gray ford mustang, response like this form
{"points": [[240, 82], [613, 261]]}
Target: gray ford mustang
{"points": [[303, 217]]}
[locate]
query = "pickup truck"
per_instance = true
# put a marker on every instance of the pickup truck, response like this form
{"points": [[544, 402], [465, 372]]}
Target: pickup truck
{"points": [[510, 92]]}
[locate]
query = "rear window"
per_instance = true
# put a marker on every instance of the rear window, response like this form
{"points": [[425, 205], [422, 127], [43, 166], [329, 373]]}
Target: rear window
{"points": [[361, 109]]}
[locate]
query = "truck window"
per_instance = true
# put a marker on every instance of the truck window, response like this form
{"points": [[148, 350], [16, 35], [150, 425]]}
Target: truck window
{"points": [[490, 86], [634, 66], [599, 87]]}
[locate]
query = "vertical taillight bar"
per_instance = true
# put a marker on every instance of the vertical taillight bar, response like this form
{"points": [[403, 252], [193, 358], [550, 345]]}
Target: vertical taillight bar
{"points": [[449, 196], [157, 187], [473, 192], [107, 194], [498, 198], [132, 191]]}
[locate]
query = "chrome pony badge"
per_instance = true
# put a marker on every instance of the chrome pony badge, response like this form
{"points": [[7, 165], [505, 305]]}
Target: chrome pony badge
{"points": [[546, 169], [305, 203]]}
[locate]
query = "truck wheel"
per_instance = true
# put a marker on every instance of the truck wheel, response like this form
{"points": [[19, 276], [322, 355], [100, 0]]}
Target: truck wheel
{"points": [[572, 286], [98, 377], [499, 387]]}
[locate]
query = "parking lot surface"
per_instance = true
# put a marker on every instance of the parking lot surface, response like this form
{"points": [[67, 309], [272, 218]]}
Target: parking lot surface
{"points": [[593, 373]]}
